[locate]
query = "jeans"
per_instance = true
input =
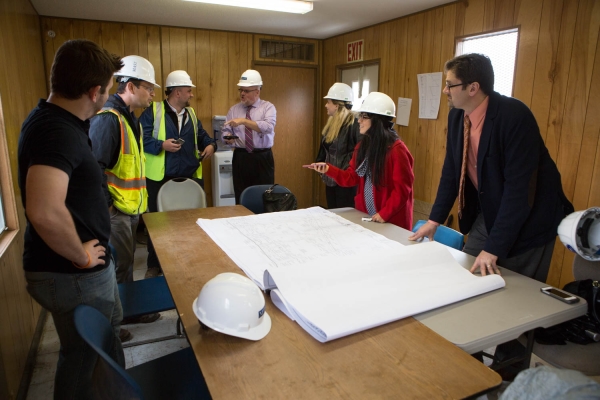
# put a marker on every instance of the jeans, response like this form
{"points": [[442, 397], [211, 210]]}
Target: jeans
{"points": [[123, 228], [60, 294]]}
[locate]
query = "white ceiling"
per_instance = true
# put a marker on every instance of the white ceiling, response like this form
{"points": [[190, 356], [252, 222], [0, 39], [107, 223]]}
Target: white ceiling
{"points": [[328, 18]]}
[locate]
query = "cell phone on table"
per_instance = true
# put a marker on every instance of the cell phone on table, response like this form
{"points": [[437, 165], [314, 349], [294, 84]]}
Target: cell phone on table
{"points": [[560, 295], [179, 141], [230, 137]]}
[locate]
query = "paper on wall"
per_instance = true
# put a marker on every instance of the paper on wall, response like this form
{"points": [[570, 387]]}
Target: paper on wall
{"points": [[403, 111], [430, 91]]}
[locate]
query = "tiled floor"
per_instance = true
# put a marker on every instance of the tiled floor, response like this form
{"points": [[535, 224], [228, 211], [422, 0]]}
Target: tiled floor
{"points": [[42, 381]]}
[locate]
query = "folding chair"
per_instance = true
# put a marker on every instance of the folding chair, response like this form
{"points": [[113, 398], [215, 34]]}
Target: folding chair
{"points": [[180, 194], [143, 297], [445, 235], [174, 376]]}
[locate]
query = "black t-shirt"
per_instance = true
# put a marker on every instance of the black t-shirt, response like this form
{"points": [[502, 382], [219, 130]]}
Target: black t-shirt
{"points": [[54, 137]]}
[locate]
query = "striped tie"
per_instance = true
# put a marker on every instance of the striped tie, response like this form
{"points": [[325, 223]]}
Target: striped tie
{"points": [[463, 170], [249, 138]]}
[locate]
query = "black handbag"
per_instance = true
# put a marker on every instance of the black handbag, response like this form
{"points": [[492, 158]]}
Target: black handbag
{"points": [[273, 202]]}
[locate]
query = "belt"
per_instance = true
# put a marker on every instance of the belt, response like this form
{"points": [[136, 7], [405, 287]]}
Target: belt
{"points": [[253, 151]]}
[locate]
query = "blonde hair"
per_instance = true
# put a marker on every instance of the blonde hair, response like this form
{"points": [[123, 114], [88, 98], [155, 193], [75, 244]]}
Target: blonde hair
{"points": [[337, 121]]}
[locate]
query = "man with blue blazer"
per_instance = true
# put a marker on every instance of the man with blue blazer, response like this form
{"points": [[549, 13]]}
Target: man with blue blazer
{"points": [[510, 197]]}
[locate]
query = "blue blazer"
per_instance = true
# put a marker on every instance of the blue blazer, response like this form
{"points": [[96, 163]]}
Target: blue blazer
{"points": [[520, 192]]}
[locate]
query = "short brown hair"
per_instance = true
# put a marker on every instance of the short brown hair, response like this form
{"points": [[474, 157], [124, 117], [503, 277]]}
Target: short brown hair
{"points": [[470, 68], [80, 65]]}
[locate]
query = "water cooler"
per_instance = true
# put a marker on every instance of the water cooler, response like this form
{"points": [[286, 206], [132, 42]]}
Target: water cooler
{"points": [[222, 177]]}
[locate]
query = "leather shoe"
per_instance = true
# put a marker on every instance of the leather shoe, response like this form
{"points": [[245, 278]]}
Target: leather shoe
{"points": [[143, 319], [125, 335]]}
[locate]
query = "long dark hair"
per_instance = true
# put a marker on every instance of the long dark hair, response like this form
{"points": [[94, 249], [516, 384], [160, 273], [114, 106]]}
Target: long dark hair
{"points": [[375, 144]]}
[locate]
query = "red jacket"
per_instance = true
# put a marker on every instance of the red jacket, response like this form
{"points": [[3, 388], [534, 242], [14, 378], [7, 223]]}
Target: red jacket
{"points": [[394, 200]]}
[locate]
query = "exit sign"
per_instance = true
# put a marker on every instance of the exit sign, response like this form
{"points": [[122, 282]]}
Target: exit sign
{"points": [[355, 50]]}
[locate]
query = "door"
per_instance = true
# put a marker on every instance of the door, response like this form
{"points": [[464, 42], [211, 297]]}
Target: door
{"points": [[292, 92]]}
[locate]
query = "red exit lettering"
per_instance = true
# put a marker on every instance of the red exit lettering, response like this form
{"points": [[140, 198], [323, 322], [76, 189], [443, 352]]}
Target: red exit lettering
{"points": [[355, 51]]}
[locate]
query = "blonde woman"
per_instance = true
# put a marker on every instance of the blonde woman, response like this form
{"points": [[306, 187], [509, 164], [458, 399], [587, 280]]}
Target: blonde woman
{"points": [[340, 136]]}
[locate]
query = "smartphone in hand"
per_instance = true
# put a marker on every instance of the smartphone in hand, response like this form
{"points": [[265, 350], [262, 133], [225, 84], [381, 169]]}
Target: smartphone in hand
{"points": [[230, 137], [179, 141]]}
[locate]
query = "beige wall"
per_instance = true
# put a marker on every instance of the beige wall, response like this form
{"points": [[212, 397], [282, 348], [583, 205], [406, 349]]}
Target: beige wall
{"points": [[22, 83], [557, 76]]}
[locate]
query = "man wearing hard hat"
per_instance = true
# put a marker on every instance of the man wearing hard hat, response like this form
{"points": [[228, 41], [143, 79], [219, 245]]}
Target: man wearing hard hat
{"points": [[174, 143], [118, 146], [249, 128]]}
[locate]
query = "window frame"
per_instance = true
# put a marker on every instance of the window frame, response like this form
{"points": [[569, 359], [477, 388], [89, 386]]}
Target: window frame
{"points": [[7, 191]]}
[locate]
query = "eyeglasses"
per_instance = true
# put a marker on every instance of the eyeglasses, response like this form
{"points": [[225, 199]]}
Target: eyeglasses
{"points": [[149, 89], [246, 91], [364, 116], [448, 86]]}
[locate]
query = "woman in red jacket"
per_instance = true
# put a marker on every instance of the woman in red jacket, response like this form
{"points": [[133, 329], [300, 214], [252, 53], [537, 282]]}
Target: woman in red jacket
{"points": [[381, 166]]}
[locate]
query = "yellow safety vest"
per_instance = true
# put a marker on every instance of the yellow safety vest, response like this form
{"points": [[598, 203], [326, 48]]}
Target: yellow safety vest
{"points": [[127, 179], [155, 164]]}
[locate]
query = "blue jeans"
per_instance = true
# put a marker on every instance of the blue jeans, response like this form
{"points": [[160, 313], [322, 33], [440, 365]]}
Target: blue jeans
{"points": [[60, 294]]}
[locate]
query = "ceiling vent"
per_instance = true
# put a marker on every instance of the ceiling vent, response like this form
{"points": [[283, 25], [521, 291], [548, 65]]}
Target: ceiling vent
{"points": [[280, 50]]}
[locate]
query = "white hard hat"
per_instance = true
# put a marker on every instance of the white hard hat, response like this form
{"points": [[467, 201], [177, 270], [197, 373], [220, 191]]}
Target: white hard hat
{"points": [[378, 103], [340, 91], [580, 233], [137, 67], [250, 78], [232, 304], [179, 78]]}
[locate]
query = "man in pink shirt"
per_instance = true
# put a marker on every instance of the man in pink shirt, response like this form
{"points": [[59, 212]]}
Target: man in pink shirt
{"points": [[250, 129], [510, 197]]}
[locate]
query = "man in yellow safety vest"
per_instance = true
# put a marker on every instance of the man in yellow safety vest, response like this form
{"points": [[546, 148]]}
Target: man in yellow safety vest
{"points": [[175, 145], [118, 146]]}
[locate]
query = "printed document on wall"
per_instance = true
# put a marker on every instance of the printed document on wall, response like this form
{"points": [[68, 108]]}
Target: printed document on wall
{"points": [[430, 91], [403, 112]]}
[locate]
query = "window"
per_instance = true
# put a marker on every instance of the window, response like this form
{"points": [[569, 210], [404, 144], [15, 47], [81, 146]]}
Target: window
{"points": [[9, 224], [501, 48], [2, 219]]}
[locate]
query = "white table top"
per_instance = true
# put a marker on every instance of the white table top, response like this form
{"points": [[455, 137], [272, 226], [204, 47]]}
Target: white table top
{"points": [[490, 319]]}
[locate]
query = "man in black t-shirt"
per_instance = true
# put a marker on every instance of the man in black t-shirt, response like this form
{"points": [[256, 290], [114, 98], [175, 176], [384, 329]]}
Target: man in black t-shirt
{"points": [[65, 257]]}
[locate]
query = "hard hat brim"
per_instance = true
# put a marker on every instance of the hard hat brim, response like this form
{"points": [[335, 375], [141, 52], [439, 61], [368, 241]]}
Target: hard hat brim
{"points": [[256, 333], [174, 86]]}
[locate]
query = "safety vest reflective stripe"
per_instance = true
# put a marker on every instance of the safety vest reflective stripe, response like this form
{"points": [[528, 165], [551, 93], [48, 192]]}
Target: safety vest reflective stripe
{"points": [[125, 184], [158, 115], [127, 179]]}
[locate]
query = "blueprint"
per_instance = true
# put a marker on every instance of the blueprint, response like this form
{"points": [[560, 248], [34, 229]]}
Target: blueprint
{"points": [[285, 239], [356, 293], [430, 92]]}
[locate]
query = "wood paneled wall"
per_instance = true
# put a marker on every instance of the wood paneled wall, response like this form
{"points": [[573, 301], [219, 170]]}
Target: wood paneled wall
{"points": [[22, 83], [557, 76], [214, 59]]}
